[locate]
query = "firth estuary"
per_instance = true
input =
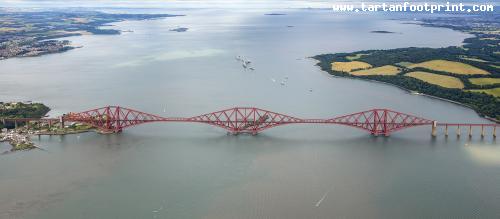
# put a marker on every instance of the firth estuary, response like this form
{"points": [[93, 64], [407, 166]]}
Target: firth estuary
{"points": [[177, 170]]}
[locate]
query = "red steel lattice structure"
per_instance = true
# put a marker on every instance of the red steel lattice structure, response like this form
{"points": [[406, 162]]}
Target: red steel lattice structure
{"points": [[248, 119]]}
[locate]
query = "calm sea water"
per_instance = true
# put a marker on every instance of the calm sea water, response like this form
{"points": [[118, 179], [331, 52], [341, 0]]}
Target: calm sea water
{"points": [[197, 171]]}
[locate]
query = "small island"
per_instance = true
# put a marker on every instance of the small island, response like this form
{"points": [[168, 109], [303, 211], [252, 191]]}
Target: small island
{"points": [[275, 14], [381, 31], [27, 34], [180, 29], [468, 75]]}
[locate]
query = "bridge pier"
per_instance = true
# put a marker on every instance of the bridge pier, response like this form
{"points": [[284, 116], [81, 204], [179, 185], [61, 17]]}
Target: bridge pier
{"points": [[434, 130], [482, 131], [15, 124], [494, 131], [446, 130], [470, 131], [458, 131], [61, 122]]}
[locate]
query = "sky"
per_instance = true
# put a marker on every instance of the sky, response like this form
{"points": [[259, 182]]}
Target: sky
{"points": [[166, 3], [197, 3]]}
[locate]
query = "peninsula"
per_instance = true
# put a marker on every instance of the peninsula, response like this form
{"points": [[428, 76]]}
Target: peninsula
{"points": [[468, 74]]}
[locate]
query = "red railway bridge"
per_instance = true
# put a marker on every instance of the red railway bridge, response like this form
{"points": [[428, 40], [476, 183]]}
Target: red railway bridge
{"points": [[112, 119]]}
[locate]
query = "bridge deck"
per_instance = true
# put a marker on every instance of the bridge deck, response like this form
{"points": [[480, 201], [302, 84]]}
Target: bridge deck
{"points": [[252, 120]]}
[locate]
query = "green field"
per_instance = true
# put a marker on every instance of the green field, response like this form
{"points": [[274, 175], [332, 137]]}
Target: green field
{"points": [[484, 81], [356, 56], [495, 91], [404, 64], [473, 59]]}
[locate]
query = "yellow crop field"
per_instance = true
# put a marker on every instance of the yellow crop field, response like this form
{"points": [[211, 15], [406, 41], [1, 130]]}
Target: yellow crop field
{"points": [[349, 66], [484, 81], [440, 80], [495, 91], [384, 70], [452, 67]]}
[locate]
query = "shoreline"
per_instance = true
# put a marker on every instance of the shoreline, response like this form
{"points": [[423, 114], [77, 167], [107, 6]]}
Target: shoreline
{"points": [[29, 144], [431, 96], [404, 89], [65, 133], [33, 46], [485, 106]]}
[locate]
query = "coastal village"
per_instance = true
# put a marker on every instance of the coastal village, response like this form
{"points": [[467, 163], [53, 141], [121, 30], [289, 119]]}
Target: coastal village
{"points": [[17, 132], [19, 141], [20, 138], [26, 34], [26, 47]]}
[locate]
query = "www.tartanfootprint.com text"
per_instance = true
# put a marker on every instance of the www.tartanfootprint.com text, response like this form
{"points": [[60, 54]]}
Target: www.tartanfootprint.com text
{"points": [[413, 7]]}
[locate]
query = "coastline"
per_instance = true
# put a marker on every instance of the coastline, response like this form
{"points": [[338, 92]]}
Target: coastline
{"points": [[17, 44], [485, 105], [405, 89], [32, 145]]}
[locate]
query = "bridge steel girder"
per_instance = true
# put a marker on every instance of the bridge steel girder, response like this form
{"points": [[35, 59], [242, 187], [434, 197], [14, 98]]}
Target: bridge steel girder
{"points": [[248, 119]]}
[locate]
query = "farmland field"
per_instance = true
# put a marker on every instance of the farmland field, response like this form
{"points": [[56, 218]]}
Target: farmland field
{"points": [[349, 66], [484, 81], [495, 91], [384, 70], [440, 80], [452, 67]]}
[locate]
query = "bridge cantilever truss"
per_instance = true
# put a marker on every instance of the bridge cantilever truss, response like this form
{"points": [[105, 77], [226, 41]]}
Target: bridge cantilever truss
{"points": [[112, 118], [380, 121], [248, 119]]}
